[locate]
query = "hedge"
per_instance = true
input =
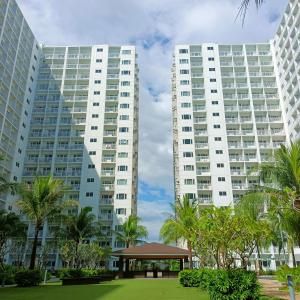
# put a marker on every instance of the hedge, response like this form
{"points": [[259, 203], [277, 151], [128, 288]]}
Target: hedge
{"points": [[28, 278], [81, 272], [283, 271], [235, 284]]}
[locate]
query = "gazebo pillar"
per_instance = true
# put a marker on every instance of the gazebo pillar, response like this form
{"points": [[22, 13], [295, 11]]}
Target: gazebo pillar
{"points": [[181, 264], [121, 264], [127, 265]]}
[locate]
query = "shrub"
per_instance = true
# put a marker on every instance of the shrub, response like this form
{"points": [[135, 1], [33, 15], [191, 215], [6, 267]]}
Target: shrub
{"points": [[195, 278], [28, 278], [285, 270], [233, 284], [7, 273], [77, 273]]}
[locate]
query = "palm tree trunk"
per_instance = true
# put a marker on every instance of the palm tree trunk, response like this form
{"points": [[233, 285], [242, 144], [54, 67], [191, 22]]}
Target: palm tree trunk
{"points": [[190, 256], [34, 247], [293, 256], [258, 257]]}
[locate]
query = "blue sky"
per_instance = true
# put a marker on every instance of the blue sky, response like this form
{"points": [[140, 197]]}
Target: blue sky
{"points": [[154, 26]]}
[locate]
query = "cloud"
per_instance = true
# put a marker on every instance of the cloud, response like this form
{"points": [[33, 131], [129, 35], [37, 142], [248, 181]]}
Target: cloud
{"points": [[154, 26]]}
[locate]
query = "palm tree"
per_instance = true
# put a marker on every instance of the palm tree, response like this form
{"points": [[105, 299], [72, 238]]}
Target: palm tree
{"points": [[244, 7], [10, 227], [40, 201], [80, 227], [132, 232], [180, 224]]}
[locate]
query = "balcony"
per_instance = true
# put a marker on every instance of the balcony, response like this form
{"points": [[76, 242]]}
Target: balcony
{"points": [[110, 133], [199, 120], [203, 172], [106, 202], [108, 159], [107, 173], [200, 132], [204, 186], [239, 186], [107, 187], [110, 121], [205, 201], [109, 146]]}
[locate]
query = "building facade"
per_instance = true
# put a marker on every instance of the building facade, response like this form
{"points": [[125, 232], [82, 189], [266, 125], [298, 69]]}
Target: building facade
{"points": [[227, 117], [19, 59]]}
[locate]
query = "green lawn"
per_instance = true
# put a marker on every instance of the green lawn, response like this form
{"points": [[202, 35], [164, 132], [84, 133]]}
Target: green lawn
{"points": [[127, 289]]}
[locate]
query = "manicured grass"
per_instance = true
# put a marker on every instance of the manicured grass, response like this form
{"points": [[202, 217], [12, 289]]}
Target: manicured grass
{"points": [[126, 289]]}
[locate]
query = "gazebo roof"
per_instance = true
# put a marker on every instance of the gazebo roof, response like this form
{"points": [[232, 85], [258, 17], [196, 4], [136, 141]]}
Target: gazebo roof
{"points": [[152, 251]]}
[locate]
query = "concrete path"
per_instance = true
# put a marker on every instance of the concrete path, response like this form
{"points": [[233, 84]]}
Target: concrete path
{"points": [[271, 288]]}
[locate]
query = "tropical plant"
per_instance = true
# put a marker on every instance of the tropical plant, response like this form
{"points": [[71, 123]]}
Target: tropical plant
{"points": [[40, 201], [180, 225], [10, 227], [244, 7], [131, 232], [5, 185]]}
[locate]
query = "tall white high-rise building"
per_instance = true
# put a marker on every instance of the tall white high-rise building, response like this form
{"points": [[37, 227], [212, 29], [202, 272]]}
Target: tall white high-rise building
{"points": [[19, 57], [72, 112], [227, 118]]}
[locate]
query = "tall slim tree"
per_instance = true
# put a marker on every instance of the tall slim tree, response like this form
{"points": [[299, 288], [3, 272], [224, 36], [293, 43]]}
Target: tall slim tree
{"points": [[132, 232], [39, 201], [180, 225]]}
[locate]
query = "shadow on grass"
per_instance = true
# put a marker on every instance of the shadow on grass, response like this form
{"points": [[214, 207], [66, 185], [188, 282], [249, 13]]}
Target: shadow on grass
{"points": [[56, 292]]}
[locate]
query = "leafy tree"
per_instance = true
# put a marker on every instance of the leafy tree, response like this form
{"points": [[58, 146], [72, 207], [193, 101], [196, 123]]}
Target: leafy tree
{"points": [[10, 227], [40, 201], [180, 225], [132, 232]]}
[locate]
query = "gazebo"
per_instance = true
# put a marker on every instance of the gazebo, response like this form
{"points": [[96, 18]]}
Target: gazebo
{"points": [[149, 251]]}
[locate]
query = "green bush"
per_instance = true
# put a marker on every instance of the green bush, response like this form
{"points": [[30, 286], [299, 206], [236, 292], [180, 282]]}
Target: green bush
{"points": [[195, 278], [26, 278], [236, 284], [7, 273], [285, 270], [76, 273]]}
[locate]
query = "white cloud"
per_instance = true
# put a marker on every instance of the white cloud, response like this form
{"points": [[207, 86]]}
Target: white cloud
{"points": [[158, 24]]}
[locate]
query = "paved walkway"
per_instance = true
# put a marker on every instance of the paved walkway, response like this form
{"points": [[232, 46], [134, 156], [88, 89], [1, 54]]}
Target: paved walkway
{"points": [[271, 288]]}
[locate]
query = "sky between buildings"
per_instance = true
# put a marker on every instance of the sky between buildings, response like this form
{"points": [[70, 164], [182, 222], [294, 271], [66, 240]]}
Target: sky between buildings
{"points": [[154, 26]]}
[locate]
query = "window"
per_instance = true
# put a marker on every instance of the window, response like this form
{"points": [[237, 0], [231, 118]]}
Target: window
{"points": [[125, 72], [121, 196], [96, 103], [188, 154], [221, 179], [183, 61], [125, 83], [124, 94], [188, 168], [217, 126], [99, 50], [91, 166], [96, 92], [186, 129], [121, 211], [212, 69], [185, 93], [183, 51], [123, 129], [123, 142], [95, 115], [126, 62], [93, 140], [215, 114], [187, 141], [94, 127], [91, 179], [121, 181], [215, 102], [122, 154], [124, 117], [184, 71], [185, 104], [92, 152], [218, 139], [220, 165], [17, 164], [222, 193], [125, 51], [124, 105], [219, 151], [190, 195], [186, 117], [98, 71], [189, 181], [122, 168], [210, 48], [89, 194], [97, 81], [98, 60], [213, 80], [211, 59], [184, 82], [213, 91]]}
